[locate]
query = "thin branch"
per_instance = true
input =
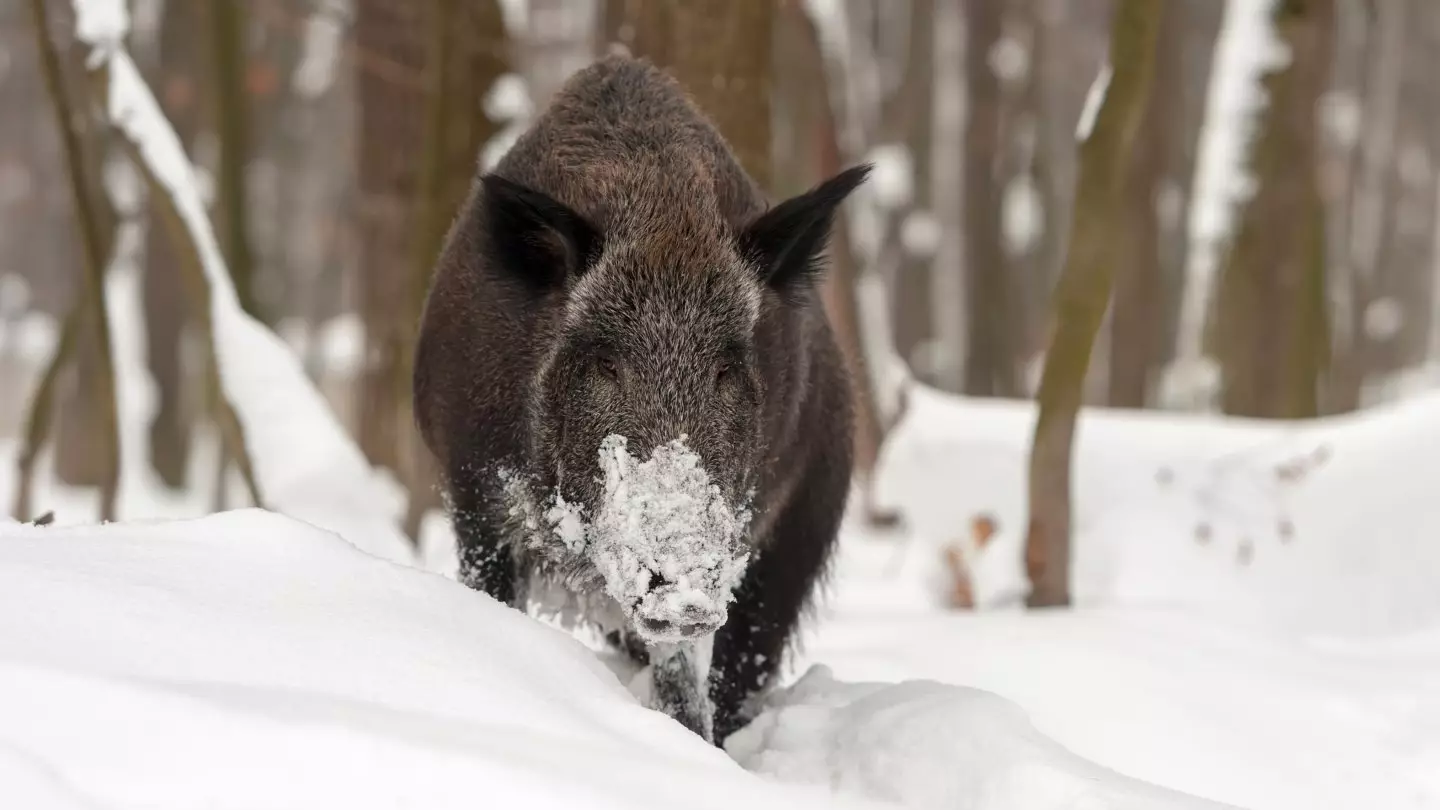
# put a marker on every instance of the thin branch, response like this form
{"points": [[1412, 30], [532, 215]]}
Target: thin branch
{"points": [[197, 285], [232, 433], [88, 221], [42, 410]]}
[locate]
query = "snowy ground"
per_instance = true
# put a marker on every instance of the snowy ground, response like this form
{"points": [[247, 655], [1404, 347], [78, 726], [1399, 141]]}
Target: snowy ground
{"points": [[250, 661], [1258, 622]]}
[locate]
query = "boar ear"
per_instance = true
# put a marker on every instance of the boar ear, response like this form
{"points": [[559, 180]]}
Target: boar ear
{"points": [[785, 242], [535, 236]]}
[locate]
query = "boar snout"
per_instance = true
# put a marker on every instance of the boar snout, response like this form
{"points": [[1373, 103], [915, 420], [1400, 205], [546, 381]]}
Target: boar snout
{"points": [[664, 613]]}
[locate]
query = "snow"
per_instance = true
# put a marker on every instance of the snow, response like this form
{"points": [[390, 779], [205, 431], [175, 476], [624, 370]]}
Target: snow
{"points": [[891, 176], [14, 296], [1247, 47], [103, 25], [878, 739], [921, 233], [1383, 318], [304, 462], [320, 51], [508, 100], [1009, 60], [660, 518], [1094, 98], [1022, 221], [1256, 622], [1247, 522], [249, 660]]}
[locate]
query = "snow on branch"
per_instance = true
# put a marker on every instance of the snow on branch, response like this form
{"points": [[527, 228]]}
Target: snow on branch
{"points": [[296, 458]]}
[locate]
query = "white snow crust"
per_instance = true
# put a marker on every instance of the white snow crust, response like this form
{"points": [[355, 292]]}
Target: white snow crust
{"points": [[661, 518]]}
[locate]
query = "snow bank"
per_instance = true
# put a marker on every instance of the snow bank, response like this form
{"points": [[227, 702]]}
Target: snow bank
{"points": [[1230, 714], [927, 744], [304, 462], [248, 660], [1323, 527]]}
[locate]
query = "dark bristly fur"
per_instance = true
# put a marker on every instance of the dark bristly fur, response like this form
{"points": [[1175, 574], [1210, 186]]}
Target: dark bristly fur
{"points": [[618, 272]]}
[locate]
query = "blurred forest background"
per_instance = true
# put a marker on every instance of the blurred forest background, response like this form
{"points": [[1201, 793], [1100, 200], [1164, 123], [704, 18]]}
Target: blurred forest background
{"points": [[337, 137]]}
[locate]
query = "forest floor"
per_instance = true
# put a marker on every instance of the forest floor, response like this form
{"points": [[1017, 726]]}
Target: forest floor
{"points": [[1256, 625]]}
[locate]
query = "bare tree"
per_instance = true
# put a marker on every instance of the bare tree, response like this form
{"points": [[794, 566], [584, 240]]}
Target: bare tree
{"points": [[913, 286], [721, 52], [1272, 332], [391, 132], [1082, 296], [165, 313], [1137, 317], [225, 21], [93, 290], [991, 360]]}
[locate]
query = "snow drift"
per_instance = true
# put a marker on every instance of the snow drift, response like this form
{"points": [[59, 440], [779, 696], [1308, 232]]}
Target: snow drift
{"points": [[248, 660], [1324, 528]]}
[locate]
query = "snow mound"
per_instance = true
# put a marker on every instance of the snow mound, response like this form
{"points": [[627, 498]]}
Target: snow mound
{"points": [[663, 518], [248, 660], [1323, 527], [926, 744]]}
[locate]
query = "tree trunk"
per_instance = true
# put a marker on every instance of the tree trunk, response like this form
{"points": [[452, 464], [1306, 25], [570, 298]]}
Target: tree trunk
{"points": [[1199, 23], [1082, 296], [1137, 322], [913, 284], [467, 50], [1273, 329], [991, 360], [226, 22], [165, 314], [1362, 219], [80, 457], [721, 53], [391, 125], [84, 191]]}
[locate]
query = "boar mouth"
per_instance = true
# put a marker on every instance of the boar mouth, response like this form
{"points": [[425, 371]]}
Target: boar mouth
{"points": [[677, 613], [660, 632]]}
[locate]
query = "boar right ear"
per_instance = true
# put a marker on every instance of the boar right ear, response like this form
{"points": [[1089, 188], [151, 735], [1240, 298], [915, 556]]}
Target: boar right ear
{"points": [[785, 242], [535, 236]]}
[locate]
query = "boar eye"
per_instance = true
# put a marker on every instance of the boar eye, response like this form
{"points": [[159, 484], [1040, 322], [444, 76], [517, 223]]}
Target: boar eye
{"points": [[723, 373], [606, 364]]}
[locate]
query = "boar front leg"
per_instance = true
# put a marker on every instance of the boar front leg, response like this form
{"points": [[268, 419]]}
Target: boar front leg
{"points": [[679, 684]]}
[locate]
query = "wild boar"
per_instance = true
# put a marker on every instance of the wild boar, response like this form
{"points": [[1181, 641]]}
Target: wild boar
{"points": [[625, 371]]}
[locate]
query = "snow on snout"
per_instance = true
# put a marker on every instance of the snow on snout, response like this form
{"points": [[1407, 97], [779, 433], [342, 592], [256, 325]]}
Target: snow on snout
{"points": [[669, 546]]}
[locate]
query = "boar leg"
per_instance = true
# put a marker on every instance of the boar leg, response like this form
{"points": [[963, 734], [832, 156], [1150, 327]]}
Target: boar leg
{"points": [[772, 596], [486, 563]]}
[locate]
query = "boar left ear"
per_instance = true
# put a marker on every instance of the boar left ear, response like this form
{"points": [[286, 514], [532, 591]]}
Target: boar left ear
{"points": [[785, 242], [534, 236]]}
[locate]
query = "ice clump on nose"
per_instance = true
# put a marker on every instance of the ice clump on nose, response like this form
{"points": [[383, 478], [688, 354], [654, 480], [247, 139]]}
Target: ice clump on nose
{"points": [[669, 546]]}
